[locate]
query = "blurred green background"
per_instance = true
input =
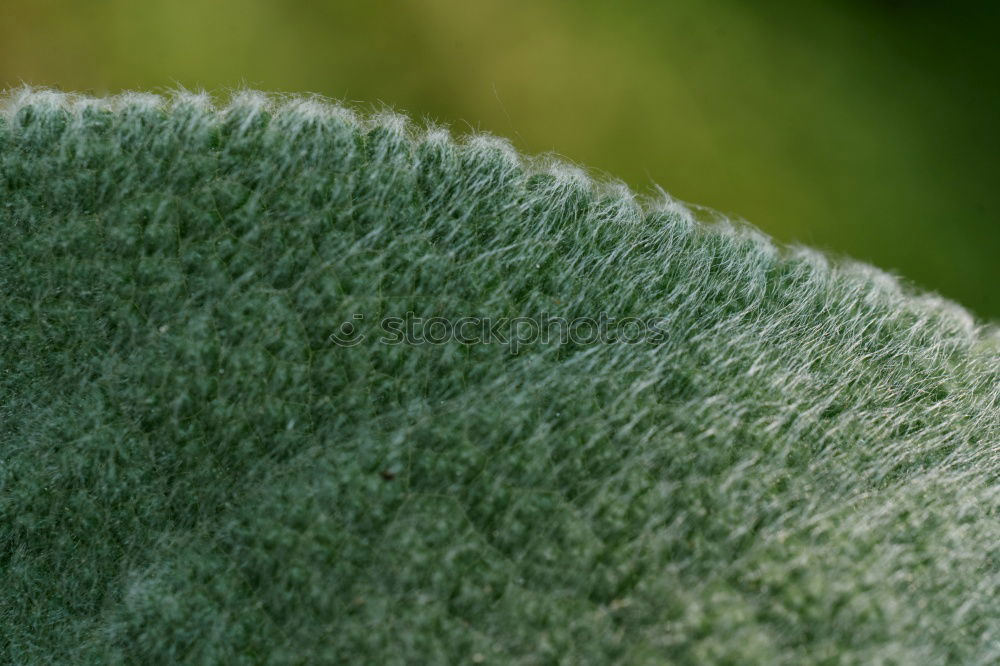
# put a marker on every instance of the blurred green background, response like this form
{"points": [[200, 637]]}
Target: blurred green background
{"points": [[868, 128]]}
